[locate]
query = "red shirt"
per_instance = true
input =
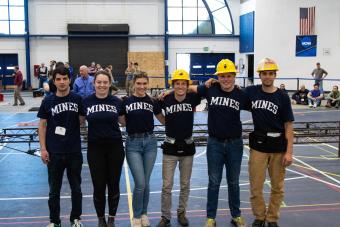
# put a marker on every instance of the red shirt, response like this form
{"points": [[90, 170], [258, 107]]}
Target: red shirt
{"points": [[18, 78]]}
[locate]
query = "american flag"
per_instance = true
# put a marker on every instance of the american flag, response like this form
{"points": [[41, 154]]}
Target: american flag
{"points": [[307, 21]]}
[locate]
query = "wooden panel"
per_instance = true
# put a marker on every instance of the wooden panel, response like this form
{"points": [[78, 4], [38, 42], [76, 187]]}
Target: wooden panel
{"points": [[153, 64]]}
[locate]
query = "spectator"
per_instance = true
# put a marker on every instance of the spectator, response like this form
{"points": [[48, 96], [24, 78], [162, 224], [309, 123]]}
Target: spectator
{"points": [[300, 97], [319, 74], [315, 96], [52, 67], [42, 70], [283, 88], [18, 78], [92, 69], [70, 69], [83, 85], [333, 98], [129, 76], [98, 67]]}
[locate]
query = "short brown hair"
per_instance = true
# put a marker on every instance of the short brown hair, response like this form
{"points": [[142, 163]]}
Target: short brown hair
{"points": [[103, 72]]}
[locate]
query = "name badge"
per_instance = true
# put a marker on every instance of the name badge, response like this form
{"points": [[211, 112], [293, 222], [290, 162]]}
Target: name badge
{"points": [[60, 131]]}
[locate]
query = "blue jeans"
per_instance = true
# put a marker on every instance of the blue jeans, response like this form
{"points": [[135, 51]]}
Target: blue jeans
{"points": [[72, 162], [141, 153], [220, 154]]}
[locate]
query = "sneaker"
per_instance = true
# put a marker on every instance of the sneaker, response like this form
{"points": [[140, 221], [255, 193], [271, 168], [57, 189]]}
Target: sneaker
{"points": [[53, 225], [258, 223], [210, 222], [337, 106], [101, 222], [239, 221], [272, 224], [145, 221], [111, 221], [22, 104], [314, 106], [137, 222], [164, 222], [76, 223], [182, 219], [15, 104]]}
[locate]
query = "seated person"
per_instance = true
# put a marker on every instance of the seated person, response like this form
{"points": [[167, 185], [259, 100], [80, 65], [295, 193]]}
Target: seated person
{"points": [[333, 98], [300, 97], [315, 96]]}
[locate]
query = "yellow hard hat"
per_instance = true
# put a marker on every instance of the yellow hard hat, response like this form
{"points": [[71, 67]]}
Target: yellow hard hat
{"points": [[180, 74], [225, 66], [267, 64]]}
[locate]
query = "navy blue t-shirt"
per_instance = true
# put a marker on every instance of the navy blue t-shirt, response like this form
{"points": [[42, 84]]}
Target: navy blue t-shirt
{"points": [[102, 117], [224, 111], [269, 110], [139, 113], [62, 112], [179, 116]]}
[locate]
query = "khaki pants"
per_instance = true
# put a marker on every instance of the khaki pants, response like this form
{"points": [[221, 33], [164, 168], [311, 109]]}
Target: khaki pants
{"points": [[17, 95], [259, 162], [168, 171]]}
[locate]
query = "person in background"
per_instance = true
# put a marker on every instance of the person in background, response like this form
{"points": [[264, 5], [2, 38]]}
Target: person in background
{"points": [[92, 69], [83, 85], [315, 96], [98, 67], [43, 77], [319, 74], [105, 153], [72, 76], [129, 76], [333, 98], [283, 88], [18, 78], [300, 96]]}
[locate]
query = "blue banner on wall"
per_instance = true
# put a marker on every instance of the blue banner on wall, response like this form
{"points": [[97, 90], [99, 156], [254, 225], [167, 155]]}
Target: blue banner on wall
{"points": [[305, 46]]}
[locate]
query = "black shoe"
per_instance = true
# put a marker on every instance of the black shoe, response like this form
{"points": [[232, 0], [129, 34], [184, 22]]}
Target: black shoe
{"points": [[164, 222], [258, 223], [15, 104], [272, 224], [22, 104], [182, 219], [102, 222], [111, 221]]}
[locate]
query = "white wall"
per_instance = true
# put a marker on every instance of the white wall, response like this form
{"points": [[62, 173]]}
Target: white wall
{"points": [[276, 27]]}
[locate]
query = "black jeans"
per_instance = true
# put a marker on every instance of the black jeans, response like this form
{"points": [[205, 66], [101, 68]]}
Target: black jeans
{"points": [[72, 162], [106, 161]]}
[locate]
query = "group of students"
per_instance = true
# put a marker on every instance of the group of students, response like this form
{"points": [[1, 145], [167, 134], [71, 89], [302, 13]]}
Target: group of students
{"points": [[271, 143]]}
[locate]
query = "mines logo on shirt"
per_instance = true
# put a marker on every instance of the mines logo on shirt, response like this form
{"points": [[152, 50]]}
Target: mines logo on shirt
{"points": [[223, 101], [263, 104], [65, 106], [139, 106], [183, 107], [101, 108]]}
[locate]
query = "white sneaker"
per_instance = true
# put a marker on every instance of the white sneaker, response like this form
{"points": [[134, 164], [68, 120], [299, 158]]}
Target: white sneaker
{"points": [[314, 105], [145, 221], [137, 222], [53, 225], [76, 223]]}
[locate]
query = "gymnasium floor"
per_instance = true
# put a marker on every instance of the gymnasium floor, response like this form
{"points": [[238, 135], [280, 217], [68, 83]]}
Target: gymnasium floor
{"points": [[312, 183]]}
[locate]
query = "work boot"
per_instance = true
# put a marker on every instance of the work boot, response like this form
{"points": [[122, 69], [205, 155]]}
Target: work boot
{"points": [[164, 222], [137, 222], [272, 224], [210, 222], [239, 221], [145, 221], [182, 219], [258, 223]]}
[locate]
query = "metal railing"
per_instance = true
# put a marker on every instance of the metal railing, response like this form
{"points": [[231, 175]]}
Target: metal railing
{"points": [[304, 133]]}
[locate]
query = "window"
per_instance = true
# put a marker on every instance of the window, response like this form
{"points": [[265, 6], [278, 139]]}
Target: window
{"points": [[12, 17], [199, 17]]}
